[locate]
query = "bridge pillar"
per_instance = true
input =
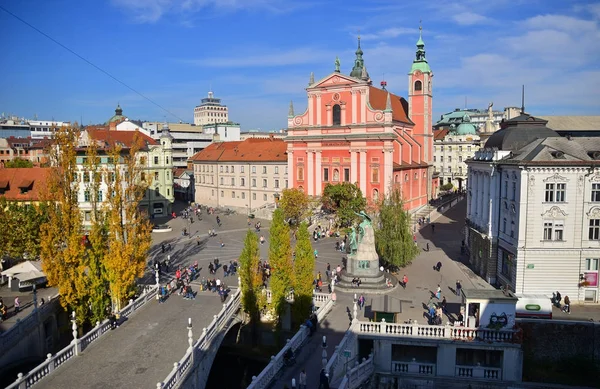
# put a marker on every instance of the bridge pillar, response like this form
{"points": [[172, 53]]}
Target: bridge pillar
{"points": [[76, 340]]}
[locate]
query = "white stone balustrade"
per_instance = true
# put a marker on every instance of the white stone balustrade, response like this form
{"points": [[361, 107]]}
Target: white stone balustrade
{"points": [[9, 338], [268, 293], [336, 365], [194, 355], [437, 332], [488, 373], [413, 367], [358, 375], [272, 369], [77, 345]]}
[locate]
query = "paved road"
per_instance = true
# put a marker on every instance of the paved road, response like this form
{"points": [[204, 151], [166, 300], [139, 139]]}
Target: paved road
{"points": [[141, 352]]}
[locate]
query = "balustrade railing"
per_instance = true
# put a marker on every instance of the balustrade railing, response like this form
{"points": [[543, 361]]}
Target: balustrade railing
{"points": [[358, 375], [343, 356], [195, 353], [438, 332], [15, 333], [488, 373], [77, 345], [272, 369], [418, 368]]}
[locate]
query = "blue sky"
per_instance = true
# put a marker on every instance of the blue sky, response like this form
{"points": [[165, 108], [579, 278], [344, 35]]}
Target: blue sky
{"points": [[257, 55]]}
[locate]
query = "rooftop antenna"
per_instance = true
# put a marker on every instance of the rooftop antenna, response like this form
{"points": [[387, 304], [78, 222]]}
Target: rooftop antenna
{"points": [[523, 98]]}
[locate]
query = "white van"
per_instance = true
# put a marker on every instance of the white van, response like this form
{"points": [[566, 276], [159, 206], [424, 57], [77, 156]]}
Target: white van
{"points": [[533, 306]]}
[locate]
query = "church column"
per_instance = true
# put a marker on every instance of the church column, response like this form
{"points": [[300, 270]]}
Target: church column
{"points": [[310, 109], [363, 106], [343, 114], [318, 109], [388, 169], [310, 173], [329, 115], [290, 167], [363, 172], [353, 166], [354, 107], [318, 179]]}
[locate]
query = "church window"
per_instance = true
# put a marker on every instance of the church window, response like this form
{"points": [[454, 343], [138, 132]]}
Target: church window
{"points": [[326, 174], [418, 85], [406, 177], [374, 174], [337, 115], [347, 175]]}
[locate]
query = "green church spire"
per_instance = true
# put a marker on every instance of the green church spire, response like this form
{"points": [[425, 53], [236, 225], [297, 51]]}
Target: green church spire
{"points": [[359, 64], [420, 62]]}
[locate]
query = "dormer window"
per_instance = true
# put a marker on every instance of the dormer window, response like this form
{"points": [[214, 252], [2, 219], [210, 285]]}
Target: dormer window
{"points": [[337, 115]]}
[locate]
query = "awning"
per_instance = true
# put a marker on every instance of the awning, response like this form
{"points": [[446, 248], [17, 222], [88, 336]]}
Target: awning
{"points": [[30, 275], [386, 304], [25, 183], [24, 267]]}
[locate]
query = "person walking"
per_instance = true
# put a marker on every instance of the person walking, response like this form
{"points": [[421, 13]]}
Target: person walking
{"points": [[438, 294], [302, 380], [18, 304], [458, 287], [404, 281], [566, 307]]}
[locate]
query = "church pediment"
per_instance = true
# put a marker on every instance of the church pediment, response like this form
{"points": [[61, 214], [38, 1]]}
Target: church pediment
{"points": [[335, 79]]}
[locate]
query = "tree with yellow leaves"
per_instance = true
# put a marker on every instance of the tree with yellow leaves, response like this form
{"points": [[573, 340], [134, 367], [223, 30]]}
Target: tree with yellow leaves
{"points": [[129, 231], [62, 249], [97, 249]]}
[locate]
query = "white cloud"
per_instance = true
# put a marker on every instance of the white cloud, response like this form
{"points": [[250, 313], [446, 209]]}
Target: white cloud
{"points": [[388, 33], [150, 11], [468, 18], [562, 23], [266, 58]]}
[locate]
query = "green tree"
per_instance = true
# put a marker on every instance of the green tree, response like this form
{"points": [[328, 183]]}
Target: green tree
{"points": [[18, 162], [20, 239], [393, 236], [62, 248], [280, 259], [294, 203], [251, 281], [345, 199], [446, 186], [304, 268]]}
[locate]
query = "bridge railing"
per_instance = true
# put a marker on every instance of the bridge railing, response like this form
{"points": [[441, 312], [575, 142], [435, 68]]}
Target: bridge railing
{"points": [[77, 345], [272, 369], [337, 365], [14, 334], [194, 354], [358, 375]]}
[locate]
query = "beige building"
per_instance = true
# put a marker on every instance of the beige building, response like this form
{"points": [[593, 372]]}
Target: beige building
{"points": [[210, 111], [451, 148], [244, 176]]}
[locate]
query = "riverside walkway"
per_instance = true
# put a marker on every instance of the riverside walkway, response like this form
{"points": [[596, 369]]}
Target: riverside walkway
{"points": [[141, 352]]}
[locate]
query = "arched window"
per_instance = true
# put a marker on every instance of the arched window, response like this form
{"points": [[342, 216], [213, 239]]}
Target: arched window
{"points": [[337, 115], [406, 177], [397, 178], [418, 85]]}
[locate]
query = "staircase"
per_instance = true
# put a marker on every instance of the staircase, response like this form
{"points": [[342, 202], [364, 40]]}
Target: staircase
{"points": [[422, 212]]}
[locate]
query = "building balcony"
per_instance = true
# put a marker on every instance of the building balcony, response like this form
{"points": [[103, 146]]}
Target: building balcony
{"points": [[487, 373], [417, 368], [425, 331]]}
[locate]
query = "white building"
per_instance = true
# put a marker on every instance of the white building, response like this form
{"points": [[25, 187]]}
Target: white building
{"points": [[451, 148], [45, 128], [154, 157], [188, 139], [478, 117], [210, 111], [533, 217]]}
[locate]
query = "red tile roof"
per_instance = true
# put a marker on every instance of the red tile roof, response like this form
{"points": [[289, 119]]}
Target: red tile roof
{"points": [[440, 134], [378, 100], [249, 150], [34, 179], [126, 138]]}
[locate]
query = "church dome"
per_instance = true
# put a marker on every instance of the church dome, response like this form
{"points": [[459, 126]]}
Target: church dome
{"points": [[466, 128]]}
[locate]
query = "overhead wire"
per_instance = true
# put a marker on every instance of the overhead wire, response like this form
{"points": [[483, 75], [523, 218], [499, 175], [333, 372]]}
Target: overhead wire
{"points": [[89, 62]]}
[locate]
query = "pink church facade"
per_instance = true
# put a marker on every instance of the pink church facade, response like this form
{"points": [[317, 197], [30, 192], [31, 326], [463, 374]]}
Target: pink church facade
{"points": [[354, 132]]}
